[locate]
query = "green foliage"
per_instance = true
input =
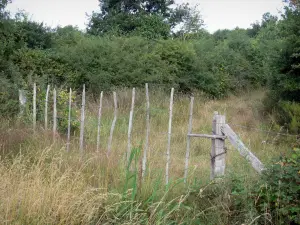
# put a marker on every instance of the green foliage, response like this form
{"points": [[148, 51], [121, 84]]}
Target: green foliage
{"points": [[131, 47], [3, 4], [141, 17], [146, 18], [284, 62], [279, 190], [63, 112], [145, 25], [8, 98], [291, 115], [45, 65], [34, 35]]}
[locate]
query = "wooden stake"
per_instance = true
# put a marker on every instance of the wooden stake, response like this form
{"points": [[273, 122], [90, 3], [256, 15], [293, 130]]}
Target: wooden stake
{"points": [[147, 131], [99, 121], [54, 115], [22, 101], [34, 106], [82, 121], [130, 125], [187, 155], [169, 135], [218, 147], [113, 124], [69, 121], [46, 107]]}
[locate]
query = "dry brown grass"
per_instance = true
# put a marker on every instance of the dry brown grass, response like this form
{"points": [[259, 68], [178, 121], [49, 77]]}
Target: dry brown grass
{"points": [[42, 184]]}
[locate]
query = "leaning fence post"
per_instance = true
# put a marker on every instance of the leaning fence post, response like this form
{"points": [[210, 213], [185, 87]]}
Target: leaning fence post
{"points": [[69, 121], [187, 155], [46, 107], [99, 121], [147, 131], [130, 125], [113, 124], [169, 135], [218, 147], [54, 114], [242, 149], [34, 106], [82, 120]]}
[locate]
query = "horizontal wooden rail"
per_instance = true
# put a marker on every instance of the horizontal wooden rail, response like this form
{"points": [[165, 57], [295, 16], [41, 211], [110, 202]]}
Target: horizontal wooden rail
{"points": [[207, 136]]}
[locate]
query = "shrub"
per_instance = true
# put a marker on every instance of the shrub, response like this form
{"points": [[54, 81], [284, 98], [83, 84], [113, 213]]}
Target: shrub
{"points": [[63, 112], [279, 190], [8, 98], [291, 115]]}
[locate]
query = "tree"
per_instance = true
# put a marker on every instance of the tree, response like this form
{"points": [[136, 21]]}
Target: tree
{"points": [[267, 19], [254, 30], [221, 35], [148, 18], [3, 4], [285, 86], [190, 20]]}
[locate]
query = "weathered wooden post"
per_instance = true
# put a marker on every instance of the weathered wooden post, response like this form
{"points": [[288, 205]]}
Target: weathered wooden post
{"points": [[22, 100], [169, 136], [54, 115], [221, 131], [218, 147], [99, 121], [113, 124], [69, 121], [46, 107], [130, 126], [34, 106], [242, 149], [82, 121], [187, 155], [144, 163]]}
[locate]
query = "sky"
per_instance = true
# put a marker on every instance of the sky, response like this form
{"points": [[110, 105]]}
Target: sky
{"points": [[217, 14]]}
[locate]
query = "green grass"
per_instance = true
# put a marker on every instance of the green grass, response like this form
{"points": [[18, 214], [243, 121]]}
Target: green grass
{"points": [[42, 184]]}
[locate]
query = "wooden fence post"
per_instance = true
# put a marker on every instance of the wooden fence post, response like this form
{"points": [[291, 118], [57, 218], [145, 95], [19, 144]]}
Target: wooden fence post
{"points": [[69, 121], [46, 107], [34, 106], [144, 163], [54, 115], [22, 101], [82, 121], [187, 155], [169, 136], [130, 125], [218, 147], [99, 121], [113, 124]]}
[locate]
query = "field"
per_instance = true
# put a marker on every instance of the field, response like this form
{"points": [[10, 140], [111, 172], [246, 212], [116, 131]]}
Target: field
{"points": [[43, 184]]}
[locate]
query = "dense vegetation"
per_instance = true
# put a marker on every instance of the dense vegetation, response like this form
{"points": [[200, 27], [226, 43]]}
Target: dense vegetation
{"points": [[132, 42]]}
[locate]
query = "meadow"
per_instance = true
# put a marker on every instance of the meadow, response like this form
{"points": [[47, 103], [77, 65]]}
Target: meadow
{"points": [[41, 183]]}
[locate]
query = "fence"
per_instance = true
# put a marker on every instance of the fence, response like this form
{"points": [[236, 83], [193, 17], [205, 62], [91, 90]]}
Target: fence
{"points": [[220, 132]]}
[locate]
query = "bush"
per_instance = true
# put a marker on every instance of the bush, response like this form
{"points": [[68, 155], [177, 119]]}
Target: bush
{"points": [[63, 112], [279, 190], [291, 115], [8, 98]]}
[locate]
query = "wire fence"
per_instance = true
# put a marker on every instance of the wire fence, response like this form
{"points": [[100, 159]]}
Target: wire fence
{"points": [[272, 132]]}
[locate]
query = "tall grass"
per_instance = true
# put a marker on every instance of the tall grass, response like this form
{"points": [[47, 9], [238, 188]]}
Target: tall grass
{"points": [[43, 184]]}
